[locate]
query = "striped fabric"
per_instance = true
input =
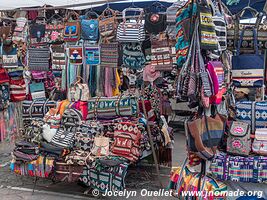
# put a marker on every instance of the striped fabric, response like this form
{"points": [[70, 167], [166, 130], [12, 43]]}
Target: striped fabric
{"points": [[131, 32], [240, 169], [172, 10], [63, 139], [109, 54], [58, 58], [10, 59], [207, 29], [39, 58], [183, 17], [17, 90]]}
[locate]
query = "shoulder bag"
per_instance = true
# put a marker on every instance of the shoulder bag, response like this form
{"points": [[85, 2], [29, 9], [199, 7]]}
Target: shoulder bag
{"points": [[238, 141], [248, 69], [89, 26], [72, 28], [133, 56], [38, 58], [107, 24], [155, 23], [131, 31], [37, 30]]}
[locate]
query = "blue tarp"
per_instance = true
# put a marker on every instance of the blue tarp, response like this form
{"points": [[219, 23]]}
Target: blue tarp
{"points": [[257, 4]]}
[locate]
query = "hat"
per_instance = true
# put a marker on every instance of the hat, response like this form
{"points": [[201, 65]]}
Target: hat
{"points": [[244, 90], [150, 74]]}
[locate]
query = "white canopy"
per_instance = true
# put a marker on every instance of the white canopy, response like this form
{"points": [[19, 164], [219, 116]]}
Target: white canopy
{"points": [[14, 4]]}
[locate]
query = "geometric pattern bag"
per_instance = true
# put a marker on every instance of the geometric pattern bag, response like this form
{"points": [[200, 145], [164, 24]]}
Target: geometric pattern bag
{"points": [[10, 59], [259, 145], [248, 69], [107, 24], [105, 176], [71, 120], [252, 113], [111, 107], [39, 58], [127, 141], [161, 55], [238, 141], [207, 28], [133, 56], [4, 96], [239, 169], [109, 54]]}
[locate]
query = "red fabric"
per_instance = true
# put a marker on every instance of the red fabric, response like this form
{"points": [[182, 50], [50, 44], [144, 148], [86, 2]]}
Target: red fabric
{"points": [[3, 76], [213, 77]]}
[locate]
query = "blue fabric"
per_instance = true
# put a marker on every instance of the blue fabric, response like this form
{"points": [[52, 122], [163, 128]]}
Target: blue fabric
{"points": [[90, 29]]}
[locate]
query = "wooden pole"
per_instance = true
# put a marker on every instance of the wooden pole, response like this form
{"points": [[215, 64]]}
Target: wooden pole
{"points": [[150, 138]]}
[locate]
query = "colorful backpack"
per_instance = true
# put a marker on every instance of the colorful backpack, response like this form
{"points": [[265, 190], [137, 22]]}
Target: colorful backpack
{"points": [[238, 141], [72, 28]]}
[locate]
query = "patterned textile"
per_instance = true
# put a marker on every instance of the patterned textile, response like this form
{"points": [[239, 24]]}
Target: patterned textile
{"points": [[109, 54], [105, 178], [36, 109], [39, 59], [240, 169], [112, 107], [42, 167], [71, 120], [127, 141], [183, 24], [253, 113], [63, 139]]}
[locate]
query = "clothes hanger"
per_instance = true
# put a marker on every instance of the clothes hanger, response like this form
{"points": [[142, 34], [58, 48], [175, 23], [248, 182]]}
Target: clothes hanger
{"points": [[55, 16]]}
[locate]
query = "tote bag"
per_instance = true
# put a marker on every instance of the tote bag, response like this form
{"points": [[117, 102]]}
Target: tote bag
{"points": [[248, 69]]}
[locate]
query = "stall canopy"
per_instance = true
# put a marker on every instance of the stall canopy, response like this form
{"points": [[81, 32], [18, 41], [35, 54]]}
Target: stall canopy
{"points": [[118, 5]]}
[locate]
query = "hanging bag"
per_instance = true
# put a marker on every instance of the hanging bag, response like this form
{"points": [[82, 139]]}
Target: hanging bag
{"points": [[107, 24], [76, 55], [54, 29], [38, 58], [89, 26], [109, 54], [133, 56], [58, 57], [92, 55], [10, 58], [206, 27], [155, 22], [129, 31], [72, 28], [21, 30], [248, 69], [37, 30]]}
